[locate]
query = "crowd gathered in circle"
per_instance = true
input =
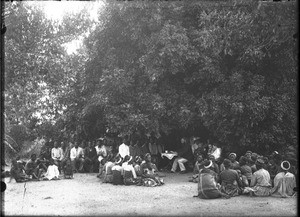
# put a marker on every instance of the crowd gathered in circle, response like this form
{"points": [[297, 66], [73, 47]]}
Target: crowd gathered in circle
{"points": [[142, 165]]}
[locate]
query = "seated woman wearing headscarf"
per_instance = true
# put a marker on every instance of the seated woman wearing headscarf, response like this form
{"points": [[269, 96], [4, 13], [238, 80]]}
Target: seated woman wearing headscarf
{"points": [[260, 181], [52, 172], [129, 174], [149, 170], [284, 182], [137, 165], [230, 180], [117, 171], [208, 187]]}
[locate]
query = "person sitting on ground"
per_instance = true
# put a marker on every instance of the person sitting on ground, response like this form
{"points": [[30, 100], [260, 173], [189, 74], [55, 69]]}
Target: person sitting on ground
{"points": [[260, 181], [185, 154], [245, 169], [90, 163], [102, 154], [18, 173], [208, 187], [234, 164], [67, 152], [215, 166], [108, 176], [284, 182], [68, 170], [117, 171], [57, 155], [230, 180], [198, 166], [32, 167], [149, 170], [130, 177], [137, 165], [77, 158], [52, 172]]}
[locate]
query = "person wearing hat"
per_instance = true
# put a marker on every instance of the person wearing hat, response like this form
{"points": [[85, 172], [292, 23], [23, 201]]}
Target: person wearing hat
{"points": [[208, 187], [117, 171], [230, 180], [260, 181], [284, 182]]}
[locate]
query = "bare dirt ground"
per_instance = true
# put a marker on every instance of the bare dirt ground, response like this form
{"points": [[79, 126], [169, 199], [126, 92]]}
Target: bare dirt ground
{"points": [[86, 195]]}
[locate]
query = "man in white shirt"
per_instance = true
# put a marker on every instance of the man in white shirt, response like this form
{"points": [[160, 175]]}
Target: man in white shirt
{"points": [[77, 157], [124, 149], [57, 155]]}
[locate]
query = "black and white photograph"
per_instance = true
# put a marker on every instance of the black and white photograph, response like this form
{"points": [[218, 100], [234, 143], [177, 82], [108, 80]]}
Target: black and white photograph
{"points": [[149, 108]]}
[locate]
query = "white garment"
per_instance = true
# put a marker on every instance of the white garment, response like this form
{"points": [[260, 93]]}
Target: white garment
{"points": [[123, 150], [179, 161], [217, 153], [57, 154], [75, 153], [52, 172], [129, 167]]}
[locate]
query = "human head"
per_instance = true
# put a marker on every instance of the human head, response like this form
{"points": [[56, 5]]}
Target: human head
{"points": [[118, 161], [200, 158], [208, 164], [243, 161], [209, 146], [183, 140], [212, 158], [226, 163], [76, 145], [55, 144], [148, 157], [259, 164], [90, 144], [248, 154], [138, 159], [232, 157]]}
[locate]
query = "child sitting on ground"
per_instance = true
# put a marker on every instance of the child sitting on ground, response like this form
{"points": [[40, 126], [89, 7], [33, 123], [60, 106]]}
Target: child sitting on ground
{"points": [[52, 171], [68, 171]]}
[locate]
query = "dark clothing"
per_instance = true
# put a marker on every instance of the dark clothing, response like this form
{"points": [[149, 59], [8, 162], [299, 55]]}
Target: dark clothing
{"points": [[117, 177], [246, 171], [186, 152]]}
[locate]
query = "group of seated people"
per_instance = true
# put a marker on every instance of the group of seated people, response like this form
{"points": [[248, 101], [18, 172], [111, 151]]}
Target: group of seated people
{"points": [[129, 165], [93, 156], [252, 174]]}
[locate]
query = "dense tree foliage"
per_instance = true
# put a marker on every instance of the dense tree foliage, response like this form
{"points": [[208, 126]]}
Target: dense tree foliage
{"points": [[225, 70]]}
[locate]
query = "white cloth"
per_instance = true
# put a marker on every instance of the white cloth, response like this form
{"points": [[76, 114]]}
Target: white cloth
{"points": [[129, 167], [169, 155], [75, 153], [179, 161], [57, 154], [124, 150], [217, 153], [52, 172]]}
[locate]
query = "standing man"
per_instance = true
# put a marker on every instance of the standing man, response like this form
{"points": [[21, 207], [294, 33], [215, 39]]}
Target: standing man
{"points": [[185, 154], [77, 157]]}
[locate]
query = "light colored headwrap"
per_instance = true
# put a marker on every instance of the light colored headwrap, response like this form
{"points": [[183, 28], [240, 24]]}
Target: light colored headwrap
{"points": [[284, 168], [210, 164]]}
